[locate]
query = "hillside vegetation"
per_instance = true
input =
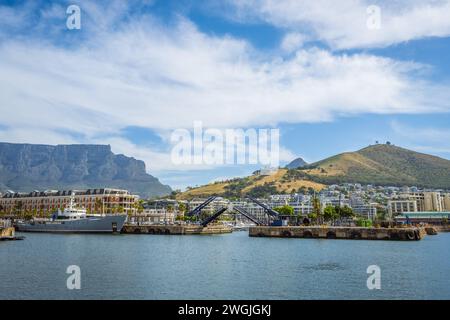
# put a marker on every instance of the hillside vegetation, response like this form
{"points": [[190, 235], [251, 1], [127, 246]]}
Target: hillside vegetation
{"points": [[378, 165], [255, 185], [382, 165]]}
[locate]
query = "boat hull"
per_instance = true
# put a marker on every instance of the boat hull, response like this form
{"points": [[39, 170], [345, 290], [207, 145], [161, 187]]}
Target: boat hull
{"points": [[106, 224]]}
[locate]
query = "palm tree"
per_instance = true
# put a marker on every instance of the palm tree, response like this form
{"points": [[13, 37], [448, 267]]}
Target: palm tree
{"points": [[317, 208], [98, 205], [18, 208]]}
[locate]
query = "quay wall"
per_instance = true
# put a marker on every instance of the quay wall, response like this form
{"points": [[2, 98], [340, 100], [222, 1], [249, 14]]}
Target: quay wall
{"points": [[8, 232], [324, 232], [442, 228], [175, 229]]}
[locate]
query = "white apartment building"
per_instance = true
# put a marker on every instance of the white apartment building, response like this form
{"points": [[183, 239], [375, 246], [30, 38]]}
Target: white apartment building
{"points": [[419, 202]]}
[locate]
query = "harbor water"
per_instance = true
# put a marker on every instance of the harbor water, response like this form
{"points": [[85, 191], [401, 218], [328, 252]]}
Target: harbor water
{"points": [[229, 266]]}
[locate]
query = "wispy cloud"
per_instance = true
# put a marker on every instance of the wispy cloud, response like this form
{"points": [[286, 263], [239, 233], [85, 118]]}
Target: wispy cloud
{"points": [[129, 69], [343, 24], [428, 134], [424, 139]]}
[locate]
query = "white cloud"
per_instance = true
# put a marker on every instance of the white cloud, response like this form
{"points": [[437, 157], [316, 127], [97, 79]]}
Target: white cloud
{"points": [[343, 24], [142, 73], [149, 76], [293, 41], [434, 140], [424, 134]]}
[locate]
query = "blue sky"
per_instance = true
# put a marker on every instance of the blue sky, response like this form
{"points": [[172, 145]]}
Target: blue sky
{"points": [[137, 70]]}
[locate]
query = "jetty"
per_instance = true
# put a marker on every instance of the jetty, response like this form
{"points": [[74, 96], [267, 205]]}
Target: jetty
{"points": [[8, 233], [332, 232], [173, 229]]}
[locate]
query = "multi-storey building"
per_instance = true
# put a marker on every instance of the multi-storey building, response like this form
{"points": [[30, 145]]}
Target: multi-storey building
{"points": [[93, 200], [446, 201], [399, 206], [153, 216], [427, 201], [419, 202]]}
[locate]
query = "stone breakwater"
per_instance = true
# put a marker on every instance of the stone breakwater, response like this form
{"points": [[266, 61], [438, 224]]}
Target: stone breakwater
{"points": [[175, 229], [8, 233], [443, 228], [356, 233]]}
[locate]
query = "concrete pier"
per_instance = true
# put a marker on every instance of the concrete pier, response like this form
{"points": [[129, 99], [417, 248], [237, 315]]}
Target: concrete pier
{"points": [[176, 229], [442, 228], [328, 232], [8, 233]]}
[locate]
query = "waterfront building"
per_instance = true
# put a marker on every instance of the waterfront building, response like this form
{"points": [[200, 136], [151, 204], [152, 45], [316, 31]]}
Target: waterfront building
{"points": [[368, 210], [104, 200], [424, 201], [153, 216], [446, 201], [399, 206], [436, 218]]}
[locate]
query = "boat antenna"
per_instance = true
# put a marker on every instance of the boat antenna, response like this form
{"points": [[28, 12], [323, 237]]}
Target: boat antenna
{"points": [[72, 197]]}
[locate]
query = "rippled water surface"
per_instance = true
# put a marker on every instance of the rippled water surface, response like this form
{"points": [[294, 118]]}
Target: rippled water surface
{"points": [[231, 266]]}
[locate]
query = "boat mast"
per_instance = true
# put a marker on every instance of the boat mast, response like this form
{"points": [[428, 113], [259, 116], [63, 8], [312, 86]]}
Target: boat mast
{"points": [[72, 197]]}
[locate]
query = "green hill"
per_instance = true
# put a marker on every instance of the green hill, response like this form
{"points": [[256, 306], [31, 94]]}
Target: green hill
{"points": [[382, 165], [385, 165]]}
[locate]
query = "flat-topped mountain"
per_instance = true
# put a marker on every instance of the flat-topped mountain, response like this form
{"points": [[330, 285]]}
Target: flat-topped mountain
{"points": [[28, 167]]}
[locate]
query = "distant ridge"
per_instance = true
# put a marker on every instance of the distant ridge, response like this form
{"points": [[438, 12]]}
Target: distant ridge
{"points": [[27, 167], [297, 163]]}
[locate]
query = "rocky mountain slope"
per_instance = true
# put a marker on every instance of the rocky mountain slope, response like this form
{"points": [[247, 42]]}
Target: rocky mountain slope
{"points": [[28, 167]]}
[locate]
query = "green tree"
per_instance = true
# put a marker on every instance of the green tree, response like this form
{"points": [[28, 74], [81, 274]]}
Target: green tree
{"points": [[317, 209], [18, 208], [182, 207], [364, 223], [28, 215], [140, 206], [346, 212], [312, 216], [285, 210], [381, 214], [98, 205], [330, 213]]}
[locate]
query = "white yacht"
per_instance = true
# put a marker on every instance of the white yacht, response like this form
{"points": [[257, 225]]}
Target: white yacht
{"points": [[75, 220]]}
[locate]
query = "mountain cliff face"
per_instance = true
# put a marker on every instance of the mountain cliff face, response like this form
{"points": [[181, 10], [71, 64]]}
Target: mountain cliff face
{"points": [[27, 167]]}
